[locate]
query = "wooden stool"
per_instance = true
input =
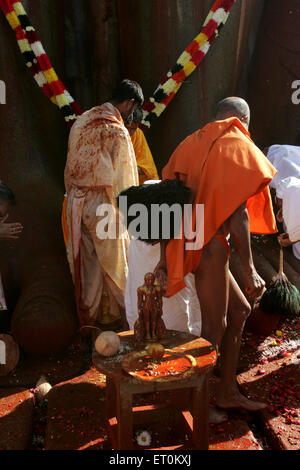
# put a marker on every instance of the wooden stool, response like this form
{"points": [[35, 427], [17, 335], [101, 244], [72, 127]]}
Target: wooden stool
{"points": [[120, 388]]}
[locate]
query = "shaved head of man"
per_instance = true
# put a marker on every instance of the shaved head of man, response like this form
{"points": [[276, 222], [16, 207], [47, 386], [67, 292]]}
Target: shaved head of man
{"points": [[234, 107]]}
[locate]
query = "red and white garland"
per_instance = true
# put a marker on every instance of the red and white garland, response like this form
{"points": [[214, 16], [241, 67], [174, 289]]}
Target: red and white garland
{"points": [[44, 74], [37, 60], [187, 62]]}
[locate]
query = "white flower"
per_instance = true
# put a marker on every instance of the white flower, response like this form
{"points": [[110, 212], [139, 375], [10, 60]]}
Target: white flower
{"points": [[219, 15], [40, 79], [143, 438], [18, 7], [37, 48], [184, 58], [204, 48], [68, 96], [159, 108]]}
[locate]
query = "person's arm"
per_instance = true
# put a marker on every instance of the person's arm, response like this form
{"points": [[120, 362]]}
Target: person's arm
{"points": [[284, 240], [238, 226], [160, 272], [10, 231]]}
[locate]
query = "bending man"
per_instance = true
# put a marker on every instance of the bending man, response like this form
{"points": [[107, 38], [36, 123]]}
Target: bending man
{"points": [[227, 173]]}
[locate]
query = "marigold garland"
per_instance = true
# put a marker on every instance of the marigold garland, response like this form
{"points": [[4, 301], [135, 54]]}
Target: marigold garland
{"points": [[187, 62], [37, 60]]}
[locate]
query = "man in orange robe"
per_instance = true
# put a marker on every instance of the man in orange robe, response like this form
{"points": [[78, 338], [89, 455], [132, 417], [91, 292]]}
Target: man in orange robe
{"points": [[100, 164], [227, 173]]}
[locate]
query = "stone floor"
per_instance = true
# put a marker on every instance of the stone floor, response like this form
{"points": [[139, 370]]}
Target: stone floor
{"points": [[72, 416]]}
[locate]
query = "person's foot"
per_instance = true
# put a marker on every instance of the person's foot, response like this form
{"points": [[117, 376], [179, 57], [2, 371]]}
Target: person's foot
{"points": [[237, 400], [216, 416]]}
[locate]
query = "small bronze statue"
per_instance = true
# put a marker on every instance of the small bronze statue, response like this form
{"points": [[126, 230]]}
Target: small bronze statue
{"points": [[149, 326]]}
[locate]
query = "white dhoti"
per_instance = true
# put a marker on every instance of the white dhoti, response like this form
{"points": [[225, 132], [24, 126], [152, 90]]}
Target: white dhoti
{"points": [[180, 312]]}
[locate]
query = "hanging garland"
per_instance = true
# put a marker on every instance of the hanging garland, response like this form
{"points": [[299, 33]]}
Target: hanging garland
{"points": [[37, 60], [41, 68], [187, 62]]}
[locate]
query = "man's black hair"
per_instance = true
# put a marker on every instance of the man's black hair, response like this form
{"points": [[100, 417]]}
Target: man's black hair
{"points": [[6, 194], [137, 115], [128, 90]]}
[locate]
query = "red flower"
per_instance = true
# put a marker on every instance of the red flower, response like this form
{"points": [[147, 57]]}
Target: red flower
{"points": [[192, 48], [216, 5], [179, 76], [20, 33], [149, 107], [6, 6], [58, 89], [44, 62], [210, 28], [198, 57], [47, 90], [32, 36], [168, 99], [227, 5]]}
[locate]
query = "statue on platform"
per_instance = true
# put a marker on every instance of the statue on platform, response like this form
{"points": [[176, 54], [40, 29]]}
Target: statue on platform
{"points": [[149, 326]]}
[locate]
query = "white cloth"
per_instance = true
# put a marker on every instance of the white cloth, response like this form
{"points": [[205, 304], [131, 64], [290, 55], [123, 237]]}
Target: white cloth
{"points": [[180, 312], [289, 191], [286, 160]]}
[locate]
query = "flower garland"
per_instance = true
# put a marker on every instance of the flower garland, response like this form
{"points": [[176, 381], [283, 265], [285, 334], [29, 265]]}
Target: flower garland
{"points": [[37, 60], [187, 62], [41, 68]]}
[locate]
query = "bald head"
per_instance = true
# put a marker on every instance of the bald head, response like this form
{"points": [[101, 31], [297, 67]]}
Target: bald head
{"points": [[234, 107]]}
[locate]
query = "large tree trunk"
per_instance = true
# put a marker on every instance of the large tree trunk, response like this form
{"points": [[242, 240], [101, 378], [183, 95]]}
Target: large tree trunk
{"points": [[92, 45], [276, 65]]}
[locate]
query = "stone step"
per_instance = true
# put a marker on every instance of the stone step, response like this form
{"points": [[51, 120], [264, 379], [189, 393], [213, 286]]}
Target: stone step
{"points": [[16, 414], [76, 411]]}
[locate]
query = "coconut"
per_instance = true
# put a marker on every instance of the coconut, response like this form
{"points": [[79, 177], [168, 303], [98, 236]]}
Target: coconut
{"points": [[9, 354], [43, 388], [107, 343], [156, 350]]}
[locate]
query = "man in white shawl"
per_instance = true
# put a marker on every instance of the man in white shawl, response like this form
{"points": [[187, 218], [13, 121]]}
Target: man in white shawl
{"points": [[288, 199], [286, 159]]}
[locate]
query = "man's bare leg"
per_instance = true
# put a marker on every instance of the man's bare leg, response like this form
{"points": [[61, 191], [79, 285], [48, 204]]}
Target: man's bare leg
{"points": [[211, 281], [212, 286], [229, 395], [215, 285]]}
